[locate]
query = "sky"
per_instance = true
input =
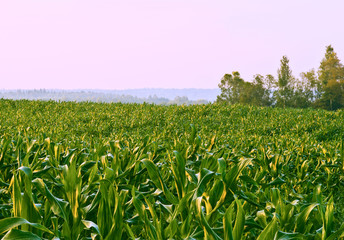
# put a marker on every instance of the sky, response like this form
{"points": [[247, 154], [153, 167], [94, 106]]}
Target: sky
{"points": [[128, 44]]}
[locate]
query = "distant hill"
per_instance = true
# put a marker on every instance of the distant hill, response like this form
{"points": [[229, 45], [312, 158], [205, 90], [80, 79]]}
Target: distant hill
{"points": [[154, 95]]}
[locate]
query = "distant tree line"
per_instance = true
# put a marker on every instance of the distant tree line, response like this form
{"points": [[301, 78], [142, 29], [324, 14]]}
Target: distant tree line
{"points": [[91, 96], [323, 88]]}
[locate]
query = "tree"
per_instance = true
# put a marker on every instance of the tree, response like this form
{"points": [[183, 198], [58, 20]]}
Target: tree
{"points": [[261, 90], [312, 85], [234, 90], [285, 82], [302, 94], [270, 82], [231, 86], [331, 76]]}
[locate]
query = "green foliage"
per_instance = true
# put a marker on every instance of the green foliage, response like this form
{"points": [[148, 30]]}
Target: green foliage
{"points": [[324, 89], [130, 171], [284, 94], [235, 90], [331, 76], [232, 88]]}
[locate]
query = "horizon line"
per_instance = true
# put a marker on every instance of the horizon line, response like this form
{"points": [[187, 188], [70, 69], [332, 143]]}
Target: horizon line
{"points": [[102, 89]]}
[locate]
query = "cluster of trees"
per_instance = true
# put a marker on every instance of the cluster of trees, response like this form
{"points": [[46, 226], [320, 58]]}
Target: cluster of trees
{"points": [[323, 88]]}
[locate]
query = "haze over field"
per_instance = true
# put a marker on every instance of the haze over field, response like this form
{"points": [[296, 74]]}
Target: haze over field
{"points": [[109, 44], [148, 95]]}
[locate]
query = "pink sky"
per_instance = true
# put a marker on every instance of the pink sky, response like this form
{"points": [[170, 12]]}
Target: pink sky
{"points": [[112, 44]]}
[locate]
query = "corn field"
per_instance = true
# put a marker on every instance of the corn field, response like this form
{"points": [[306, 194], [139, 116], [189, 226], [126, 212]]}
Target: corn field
{"points": [[138, 171]]}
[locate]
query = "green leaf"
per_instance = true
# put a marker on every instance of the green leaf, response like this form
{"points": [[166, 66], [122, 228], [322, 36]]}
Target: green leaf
{"points": [[277, 181], [58, 206], [203, 183], [288, 236], [16, 196], [155, 176], [15, 234], [227, 224], [27, 171], [328, 221], [238, 229], [207, 228], [269, 231], [12, 222], [237, 232], [303, 217], [179, 173], [91, 225], [337, 234]]}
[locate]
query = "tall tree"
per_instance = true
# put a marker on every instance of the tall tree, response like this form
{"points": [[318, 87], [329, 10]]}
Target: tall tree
{"points": [[284, 84], [331, 76]]}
